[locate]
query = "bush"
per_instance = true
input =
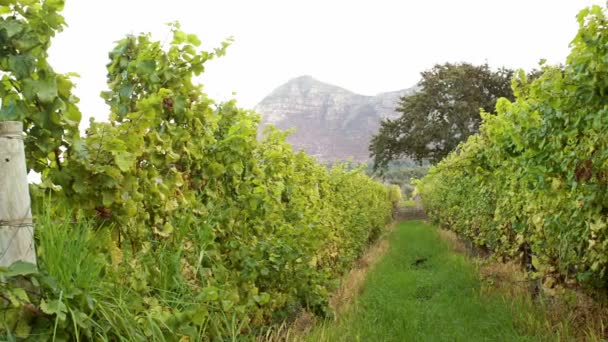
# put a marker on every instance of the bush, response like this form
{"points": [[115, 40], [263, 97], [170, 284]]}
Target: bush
{"points": [[532, 185]]}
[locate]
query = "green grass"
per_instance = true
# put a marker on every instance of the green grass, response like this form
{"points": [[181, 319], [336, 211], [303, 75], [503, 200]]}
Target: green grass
{"points": [[433, 300]]}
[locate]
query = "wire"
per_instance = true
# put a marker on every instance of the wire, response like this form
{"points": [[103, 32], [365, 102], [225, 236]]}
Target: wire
{"points": [[12, 137]]}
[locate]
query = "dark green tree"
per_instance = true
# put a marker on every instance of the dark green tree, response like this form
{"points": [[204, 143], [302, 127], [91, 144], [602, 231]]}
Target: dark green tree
{"points": [[444, 112]]}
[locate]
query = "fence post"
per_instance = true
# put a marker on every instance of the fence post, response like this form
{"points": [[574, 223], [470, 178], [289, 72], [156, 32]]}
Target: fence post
{"points": [[16, 226]]}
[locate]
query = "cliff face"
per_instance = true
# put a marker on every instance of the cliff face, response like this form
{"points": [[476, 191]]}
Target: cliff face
{"points": [[331, 123]]}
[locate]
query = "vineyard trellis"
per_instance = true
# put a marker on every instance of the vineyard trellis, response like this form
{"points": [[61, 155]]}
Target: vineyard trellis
{"points": [[16, 226], [177, 203]]}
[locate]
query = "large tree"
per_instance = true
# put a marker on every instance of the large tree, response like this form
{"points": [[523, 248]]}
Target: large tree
{"points": [[444, 112]]}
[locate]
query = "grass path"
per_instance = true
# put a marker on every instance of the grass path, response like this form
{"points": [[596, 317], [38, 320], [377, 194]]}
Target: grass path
{"points": [[422, 291]]}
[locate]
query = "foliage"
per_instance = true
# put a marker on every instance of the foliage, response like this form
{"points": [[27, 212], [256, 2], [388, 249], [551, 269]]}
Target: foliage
{"points": [[402, 176], [442, 114], [532, 185], [176, 222], [31, 91], [394, 194], [408, 204], [155, 152]]}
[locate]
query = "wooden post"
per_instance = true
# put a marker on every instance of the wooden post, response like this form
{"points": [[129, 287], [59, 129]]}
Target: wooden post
{"points": [[16, 226]]}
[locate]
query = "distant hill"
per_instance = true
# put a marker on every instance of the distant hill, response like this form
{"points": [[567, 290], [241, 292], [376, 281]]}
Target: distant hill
{"points": [[331, 123]]}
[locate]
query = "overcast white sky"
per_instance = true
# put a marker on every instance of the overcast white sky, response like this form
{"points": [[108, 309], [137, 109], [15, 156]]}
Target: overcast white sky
{"points": [[367, 46]]}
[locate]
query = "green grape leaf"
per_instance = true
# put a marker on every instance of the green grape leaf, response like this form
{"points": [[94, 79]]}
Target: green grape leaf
{"points": [[44, 89], [22, 65], [146, 67], [124, 160]]}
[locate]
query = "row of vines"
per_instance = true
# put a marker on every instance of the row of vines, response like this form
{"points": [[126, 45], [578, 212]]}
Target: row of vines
{"points": [[532, 185], [173, 220]]}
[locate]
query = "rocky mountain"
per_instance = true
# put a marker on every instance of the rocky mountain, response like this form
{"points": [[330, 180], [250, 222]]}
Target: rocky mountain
{"points": [[331, 123]]}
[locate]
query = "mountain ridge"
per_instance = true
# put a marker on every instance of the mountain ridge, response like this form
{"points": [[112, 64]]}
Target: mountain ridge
{"points": [[331, 123]]}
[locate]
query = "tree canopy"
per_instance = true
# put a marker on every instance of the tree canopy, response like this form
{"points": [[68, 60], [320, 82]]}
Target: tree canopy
{"points": [[444, 112]]}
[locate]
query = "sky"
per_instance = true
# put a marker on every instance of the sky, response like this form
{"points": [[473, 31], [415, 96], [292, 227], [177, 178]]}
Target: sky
{"points": [[368, 47]]}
